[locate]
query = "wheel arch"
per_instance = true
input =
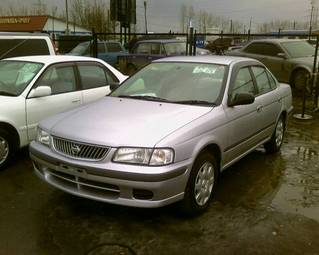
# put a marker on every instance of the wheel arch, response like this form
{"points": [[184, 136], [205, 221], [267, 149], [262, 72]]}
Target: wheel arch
{"points": [[13, 133], [297, 69], [213, 149]]}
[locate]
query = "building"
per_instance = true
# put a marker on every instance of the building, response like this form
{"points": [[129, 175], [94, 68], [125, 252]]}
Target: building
{"points": [[43, 23]]}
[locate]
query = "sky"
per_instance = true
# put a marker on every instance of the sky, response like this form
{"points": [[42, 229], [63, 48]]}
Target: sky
{"points": [[164, 15]]}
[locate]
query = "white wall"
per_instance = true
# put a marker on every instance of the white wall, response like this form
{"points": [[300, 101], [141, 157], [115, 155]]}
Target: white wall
{"points": [[60, 26]]}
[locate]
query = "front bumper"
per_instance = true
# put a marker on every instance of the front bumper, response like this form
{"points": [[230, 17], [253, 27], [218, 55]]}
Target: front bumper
{"points": [[129, 185]]}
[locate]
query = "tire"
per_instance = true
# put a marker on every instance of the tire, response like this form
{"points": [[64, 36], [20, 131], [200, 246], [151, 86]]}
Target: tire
{"points": [[6, 148], [299, 79], [276, 140], [131, 69], [201, 185]]}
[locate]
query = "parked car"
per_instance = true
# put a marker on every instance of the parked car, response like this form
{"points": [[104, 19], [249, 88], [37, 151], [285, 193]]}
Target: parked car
{"points": [[290, 60], [145, 51], [175, 125], [35, 87], [106, 50], [25, 44]]}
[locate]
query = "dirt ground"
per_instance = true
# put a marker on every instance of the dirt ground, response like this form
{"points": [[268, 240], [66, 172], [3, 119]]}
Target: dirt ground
{"points": [[265, 204]]}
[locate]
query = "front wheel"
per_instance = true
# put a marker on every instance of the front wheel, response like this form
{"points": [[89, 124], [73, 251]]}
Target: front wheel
{"points": [[274, 144], [6, 148], [201, 184]]}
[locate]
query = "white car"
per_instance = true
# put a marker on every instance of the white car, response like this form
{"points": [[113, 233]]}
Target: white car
{"points": [[33, 88], [18, 44]]}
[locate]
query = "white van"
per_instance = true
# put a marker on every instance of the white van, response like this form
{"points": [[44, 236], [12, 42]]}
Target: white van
{"points": [[25, 44]]}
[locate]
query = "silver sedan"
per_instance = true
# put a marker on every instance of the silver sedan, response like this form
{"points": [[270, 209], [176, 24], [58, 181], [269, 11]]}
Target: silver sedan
{"points": [[166, 133]]}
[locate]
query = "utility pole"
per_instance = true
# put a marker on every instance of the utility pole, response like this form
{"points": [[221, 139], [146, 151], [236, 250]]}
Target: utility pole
{"points": [[145, 6], [310, 24], [250, 21], [231, 26], [67, 16]]}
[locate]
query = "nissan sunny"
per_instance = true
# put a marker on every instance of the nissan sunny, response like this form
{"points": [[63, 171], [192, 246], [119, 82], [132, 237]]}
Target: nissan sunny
{"points": [[166, 133]]}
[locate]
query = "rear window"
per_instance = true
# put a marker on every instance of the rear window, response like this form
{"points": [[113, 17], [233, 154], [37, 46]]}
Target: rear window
{"points": [[113, 47], [23, 47]]}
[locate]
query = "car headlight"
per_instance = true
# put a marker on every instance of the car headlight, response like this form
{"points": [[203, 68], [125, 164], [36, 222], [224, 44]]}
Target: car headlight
{"points": [[144, 156], [43, 137]]}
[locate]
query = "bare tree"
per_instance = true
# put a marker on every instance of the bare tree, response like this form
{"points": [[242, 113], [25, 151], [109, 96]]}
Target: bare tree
{"points": [[93, 14], [183, 17]]}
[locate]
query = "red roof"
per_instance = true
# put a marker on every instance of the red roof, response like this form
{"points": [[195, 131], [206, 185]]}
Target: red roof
{"points": [[22, 23]]}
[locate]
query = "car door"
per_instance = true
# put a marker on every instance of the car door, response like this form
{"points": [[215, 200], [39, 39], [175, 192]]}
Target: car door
{"points": [[268, 98], [95, 80], [65, 95], [274, 61], [267, 53], [243, 120]]}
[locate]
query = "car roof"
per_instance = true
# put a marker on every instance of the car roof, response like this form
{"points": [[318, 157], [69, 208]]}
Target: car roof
{"points": [[159, 41], [277, 40], [211, 59], [51, 59], [23, 34]]}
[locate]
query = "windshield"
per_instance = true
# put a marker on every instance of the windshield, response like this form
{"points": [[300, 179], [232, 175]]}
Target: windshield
{"points": [[188, 83], [299, 49], [80, 49], [16, 75], [176, 48]]}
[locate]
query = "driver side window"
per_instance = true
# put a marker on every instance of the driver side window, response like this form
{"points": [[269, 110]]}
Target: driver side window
{"points": [[243, 83], [61, 79]]}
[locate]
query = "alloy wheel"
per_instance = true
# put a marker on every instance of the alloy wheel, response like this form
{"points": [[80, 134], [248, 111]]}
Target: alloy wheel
{"points": [[4, 150], [204, 183], [279, 132]]}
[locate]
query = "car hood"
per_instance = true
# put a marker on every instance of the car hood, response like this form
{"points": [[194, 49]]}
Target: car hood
{"points": [[123, 122], [6, 100]]}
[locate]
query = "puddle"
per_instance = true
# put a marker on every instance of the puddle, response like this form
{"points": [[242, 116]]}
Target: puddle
{"points": [[299, 190]]}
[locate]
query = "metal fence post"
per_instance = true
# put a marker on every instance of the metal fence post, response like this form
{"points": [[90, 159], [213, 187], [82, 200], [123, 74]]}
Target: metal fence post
{"points": [[314, 84], [194, 43], [303, 115], [191, 41], [94, 46]]}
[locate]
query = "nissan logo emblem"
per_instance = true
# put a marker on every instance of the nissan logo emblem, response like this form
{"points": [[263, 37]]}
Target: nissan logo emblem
{"points": [[75, 149]]}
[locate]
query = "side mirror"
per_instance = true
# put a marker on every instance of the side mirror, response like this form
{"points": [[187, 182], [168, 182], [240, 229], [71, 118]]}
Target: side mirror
{"points": [[114, 85], [41, 91], [282, 55], [242, 99]]}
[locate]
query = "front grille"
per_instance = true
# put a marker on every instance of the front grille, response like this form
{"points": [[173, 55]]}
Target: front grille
{"points": [[79, 150]]}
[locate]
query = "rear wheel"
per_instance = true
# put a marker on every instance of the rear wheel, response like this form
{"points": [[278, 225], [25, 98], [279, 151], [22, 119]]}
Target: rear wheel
{"points": [[6, 148], [299, 79], [201, 184], [274, 144]]}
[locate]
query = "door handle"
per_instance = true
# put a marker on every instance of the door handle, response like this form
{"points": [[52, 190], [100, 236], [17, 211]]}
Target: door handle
{"points": [[75, 101], [259, 108]]}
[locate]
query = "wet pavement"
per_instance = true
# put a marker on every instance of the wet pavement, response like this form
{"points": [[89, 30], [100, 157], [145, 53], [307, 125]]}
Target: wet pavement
{"points": [[265, 204]]}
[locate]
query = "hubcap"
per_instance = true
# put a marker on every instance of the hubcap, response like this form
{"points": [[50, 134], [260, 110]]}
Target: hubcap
{"points": [[279, 132], [4, 150], [204, 183]]}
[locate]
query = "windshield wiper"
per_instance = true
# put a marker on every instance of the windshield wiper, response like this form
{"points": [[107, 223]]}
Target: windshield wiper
{"points": [[145, 97], [195, 102], [5, 93]]}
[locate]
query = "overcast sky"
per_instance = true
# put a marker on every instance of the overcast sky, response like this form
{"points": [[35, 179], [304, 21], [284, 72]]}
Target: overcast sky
{"points": [[164, 15]]}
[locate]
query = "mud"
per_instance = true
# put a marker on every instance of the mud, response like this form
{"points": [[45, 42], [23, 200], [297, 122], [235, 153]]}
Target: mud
{"points": [[265, 204]]}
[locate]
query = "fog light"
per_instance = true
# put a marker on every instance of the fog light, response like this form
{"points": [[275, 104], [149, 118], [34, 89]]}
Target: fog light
{"points": [[142, 194]]}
